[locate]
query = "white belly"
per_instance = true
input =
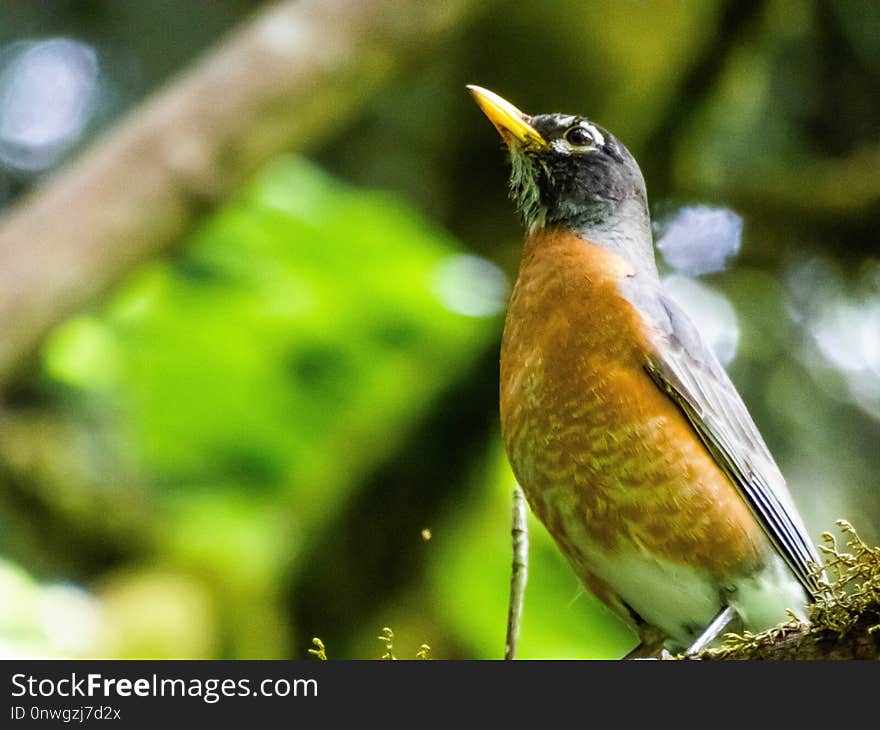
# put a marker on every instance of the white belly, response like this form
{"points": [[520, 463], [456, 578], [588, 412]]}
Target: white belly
{"points": [[682, 601]]}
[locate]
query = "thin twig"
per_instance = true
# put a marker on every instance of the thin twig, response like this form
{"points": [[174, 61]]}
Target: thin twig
{"points": [[520, 573]]}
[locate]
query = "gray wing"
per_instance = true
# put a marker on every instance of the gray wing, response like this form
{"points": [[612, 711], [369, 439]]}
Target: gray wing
{"points": [[688, 371]]}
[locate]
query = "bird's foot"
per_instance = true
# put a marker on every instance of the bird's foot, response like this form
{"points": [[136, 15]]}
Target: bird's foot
{"points": [[719, 624]]}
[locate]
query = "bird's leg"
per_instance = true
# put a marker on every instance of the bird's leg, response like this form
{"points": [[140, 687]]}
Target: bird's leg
{"points": [[713, 630], [519, 574], [650, 643]]}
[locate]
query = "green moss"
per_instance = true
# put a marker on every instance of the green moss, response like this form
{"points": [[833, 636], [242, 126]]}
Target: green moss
{"points": [[850, 596]]}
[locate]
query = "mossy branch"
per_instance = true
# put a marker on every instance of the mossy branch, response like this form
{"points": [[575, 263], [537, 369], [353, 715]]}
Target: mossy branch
{"points": [[844, 622]]}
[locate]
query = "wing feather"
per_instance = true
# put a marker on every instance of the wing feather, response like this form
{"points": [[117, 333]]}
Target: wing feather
{"points": [[687, 370]]}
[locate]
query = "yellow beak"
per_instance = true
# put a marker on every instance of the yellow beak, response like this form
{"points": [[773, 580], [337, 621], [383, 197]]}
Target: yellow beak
{"points": [[508, 120]]}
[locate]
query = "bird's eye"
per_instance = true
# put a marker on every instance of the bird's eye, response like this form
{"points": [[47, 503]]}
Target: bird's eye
{"points": [[578, 137]]}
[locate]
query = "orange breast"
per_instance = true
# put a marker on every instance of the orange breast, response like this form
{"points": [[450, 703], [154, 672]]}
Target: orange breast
{"points": [[589, 435]]}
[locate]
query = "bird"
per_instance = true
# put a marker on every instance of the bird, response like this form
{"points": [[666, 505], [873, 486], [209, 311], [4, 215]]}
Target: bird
{"points": [[630, 441]]}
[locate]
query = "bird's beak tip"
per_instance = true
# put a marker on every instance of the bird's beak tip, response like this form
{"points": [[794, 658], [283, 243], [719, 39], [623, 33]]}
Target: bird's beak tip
{"points": [[508, 120]]}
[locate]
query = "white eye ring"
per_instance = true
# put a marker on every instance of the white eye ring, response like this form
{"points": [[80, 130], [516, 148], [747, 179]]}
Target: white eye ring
{"points": [[579, 137]]}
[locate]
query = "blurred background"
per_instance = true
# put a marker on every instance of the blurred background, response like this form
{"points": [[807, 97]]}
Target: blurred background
{"points": [[283, 424]]}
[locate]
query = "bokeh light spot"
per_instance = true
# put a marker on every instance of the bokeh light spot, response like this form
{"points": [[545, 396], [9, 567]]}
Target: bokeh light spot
{"points": [[711, 312], [471, 285], [699, 239], [47, 96]]}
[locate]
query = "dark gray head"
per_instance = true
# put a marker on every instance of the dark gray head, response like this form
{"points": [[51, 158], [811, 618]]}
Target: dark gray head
{"points": [[568, 172], [578, 179]]}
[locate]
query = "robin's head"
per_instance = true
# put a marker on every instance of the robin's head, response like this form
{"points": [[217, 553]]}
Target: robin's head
{"points": [[566, 172]]}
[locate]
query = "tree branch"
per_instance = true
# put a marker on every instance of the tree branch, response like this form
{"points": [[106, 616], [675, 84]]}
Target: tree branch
{"points": [[844, 620], [285, 80], [795, 640]]}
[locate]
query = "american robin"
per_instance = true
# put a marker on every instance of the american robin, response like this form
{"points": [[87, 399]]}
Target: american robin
{"points": [[631, 444]]}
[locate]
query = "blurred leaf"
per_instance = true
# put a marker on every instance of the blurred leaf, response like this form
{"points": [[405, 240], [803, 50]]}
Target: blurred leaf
{"points": [[156, 614], [472, 578], [262, 375], [45, 620]]}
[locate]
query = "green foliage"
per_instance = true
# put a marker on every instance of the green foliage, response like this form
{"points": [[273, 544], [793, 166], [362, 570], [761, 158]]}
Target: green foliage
{"points": [[387, 639], [854, 588], [257, 378], [472, 574], [44, 620], [849, 602], [319, 651]]}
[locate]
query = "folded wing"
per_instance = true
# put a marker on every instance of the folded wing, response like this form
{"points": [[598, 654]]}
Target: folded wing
{"points": [[687, 370]]}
